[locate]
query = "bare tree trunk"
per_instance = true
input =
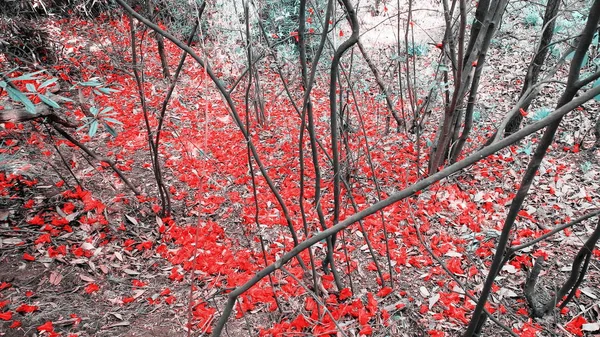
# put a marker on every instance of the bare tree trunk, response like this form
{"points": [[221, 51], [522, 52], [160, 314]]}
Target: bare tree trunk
{"points": [[382, 87], [535, 67], [487, 20], [573, 85], [160, 43]]}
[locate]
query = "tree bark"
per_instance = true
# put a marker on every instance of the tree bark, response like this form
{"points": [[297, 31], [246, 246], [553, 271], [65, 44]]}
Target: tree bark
{"points": [[535, 67]]}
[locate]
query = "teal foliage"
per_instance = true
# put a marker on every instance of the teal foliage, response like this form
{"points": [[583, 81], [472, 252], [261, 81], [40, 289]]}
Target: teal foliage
{"points": [[540, 114], [418, 50], [532, 17]]}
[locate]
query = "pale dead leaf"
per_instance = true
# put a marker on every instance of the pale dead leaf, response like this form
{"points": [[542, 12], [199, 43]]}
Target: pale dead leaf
{"points": [[60, 212], [12, 241], [452, 253], [116, 325], [433, 300], [137, 293], [590, 327], [505, 292], [86, 278], [589, 293], [132, 219], [55, 278]]}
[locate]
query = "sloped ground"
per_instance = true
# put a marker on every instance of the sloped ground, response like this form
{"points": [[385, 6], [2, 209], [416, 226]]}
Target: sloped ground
{"points": [[98, 261]]}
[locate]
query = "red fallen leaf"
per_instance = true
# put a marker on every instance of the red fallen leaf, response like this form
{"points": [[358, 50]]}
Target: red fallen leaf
{"points": [[4, 303], [473, 271], [424, 309], [474, 64], [28, 257], [170, 300], [5, 285], [6, 316], [384, 292], [345, 293], [454, 266], [363, 317], [295, 35], [439, 46], [138, 283], [36, 220], [436, 333], [523, 312], [575, 324], [371, 304], [564, 311], [46, 327], [300, 323], [29, 203], [127, 300], [76, 319], [92, 288], [523, 112], [60, 183], [528, 330], [366, 330], [26, 308], [385, 316], [165, 292], [15, 324], [341, 33], [29, 293], [44, 238]]}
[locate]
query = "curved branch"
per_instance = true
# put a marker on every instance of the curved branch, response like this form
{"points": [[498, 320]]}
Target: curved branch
{"points": [[232, 108], [421, 185]]}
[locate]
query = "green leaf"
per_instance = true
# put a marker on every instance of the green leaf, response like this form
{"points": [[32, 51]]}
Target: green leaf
{"points": [[585, 60], [107, 109], [112, 120], [48, 82], [30, 87], [94, 111], [110, 129], [84, 125], [49, 101], [93, 128], [90, 84], [3, 84], [19, 97], [107, 91], [597, 83]]}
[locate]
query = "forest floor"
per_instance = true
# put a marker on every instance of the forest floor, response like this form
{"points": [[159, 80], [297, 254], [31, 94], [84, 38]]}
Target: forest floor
{"points": [[97, 260]]}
